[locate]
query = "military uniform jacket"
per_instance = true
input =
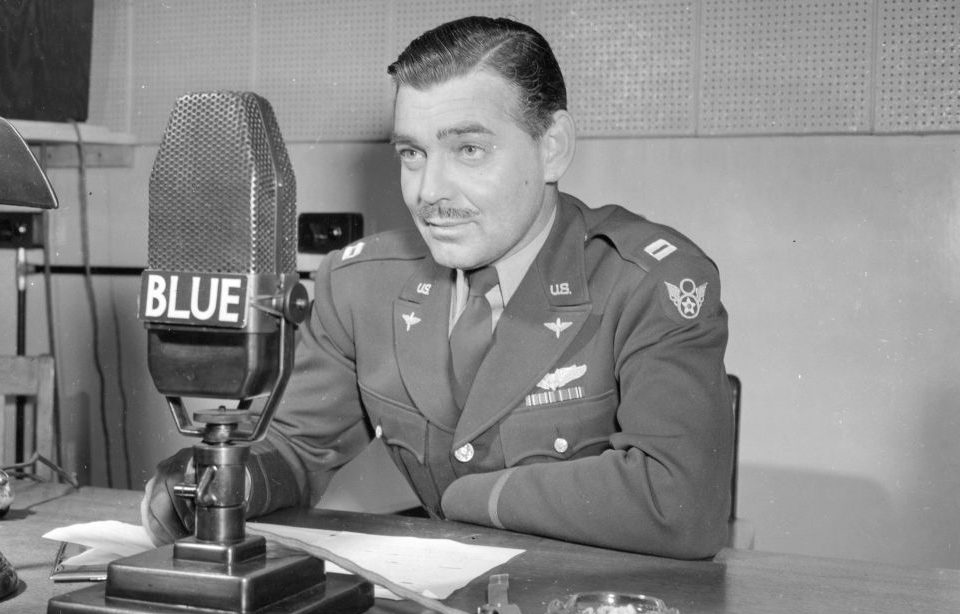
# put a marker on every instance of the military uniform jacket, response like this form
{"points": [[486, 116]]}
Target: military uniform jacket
{"points": [[601, 413]]}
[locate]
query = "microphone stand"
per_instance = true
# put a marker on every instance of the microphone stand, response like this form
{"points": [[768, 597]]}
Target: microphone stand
{"points": [[220, 568]]}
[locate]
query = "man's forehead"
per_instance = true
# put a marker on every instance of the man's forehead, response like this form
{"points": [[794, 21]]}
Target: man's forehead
{"points": [[473, 103]]}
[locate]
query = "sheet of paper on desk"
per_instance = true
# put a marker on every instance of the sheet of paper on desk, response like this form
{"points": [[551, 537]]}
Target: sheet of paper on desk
{"points": [[433, 567], [106, 540]]}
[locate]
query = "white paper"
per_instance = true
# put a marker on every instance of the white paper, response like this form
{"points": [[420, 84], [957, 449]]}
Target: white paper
{"points": [[432, 567], [106, 539]]}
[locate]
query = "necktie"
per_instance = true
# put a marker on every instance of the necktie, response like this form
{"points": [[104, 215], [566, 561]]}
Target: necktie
{"points": [[472, 332]]}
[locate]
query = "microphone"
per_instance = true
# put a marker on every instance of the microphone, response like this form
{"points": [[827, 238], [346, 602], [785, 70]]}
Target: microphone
{"points": [[220, 299], [221, 263]]}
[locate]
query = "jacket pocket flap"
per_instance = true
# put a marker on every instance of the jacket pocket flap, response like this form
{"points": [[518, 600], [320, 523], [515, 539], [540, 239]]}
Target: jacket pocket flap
{"points": [[558, 431]]}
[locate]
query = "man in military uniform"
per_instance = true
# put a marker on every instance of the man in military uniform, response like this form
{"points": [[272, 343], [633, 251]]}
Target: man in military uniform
{"points": [[530, 363]]}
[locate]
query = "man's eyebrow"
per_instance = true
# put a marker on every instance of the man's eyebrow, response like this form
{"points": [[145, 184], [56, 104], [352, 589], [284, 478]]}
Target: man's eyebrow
{"points": [[401, 139], [463, 129], [398, 138]]}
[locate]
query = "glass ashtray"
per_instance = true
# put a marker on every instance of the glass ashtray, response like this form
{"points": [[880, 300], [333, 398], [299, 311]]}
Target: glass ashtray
{"points": [[608, 603]]}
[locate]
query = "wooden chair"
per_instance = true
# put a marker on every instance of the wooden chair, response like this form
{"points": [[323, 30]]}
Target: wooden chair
{"points": [[741, 531], [28, 376]]}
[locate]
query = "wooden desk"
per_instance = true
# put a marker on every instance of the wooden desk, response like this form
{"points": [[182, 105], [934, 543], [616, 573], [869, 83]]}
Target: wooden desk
{"points": [[735, 581]]}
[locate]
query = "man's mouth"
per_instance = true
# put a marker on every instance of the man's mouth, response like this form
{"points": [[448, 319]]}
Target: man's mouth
{"points": [[446, 222], [444, 217]]}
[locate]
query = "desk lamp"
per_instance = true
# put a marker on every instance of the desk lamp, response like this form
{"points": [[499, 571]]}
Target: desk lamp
{"points": [[220, 300]]}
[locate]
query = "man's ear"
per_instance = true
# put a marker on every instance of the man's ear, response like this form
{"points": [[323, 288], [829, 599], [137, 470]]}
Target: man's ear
{"points": [[558, 145]]}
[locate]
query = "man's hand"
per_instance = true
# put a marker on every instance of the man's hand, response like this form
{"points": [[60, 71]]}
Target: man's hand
{"points": [[165, 516]]}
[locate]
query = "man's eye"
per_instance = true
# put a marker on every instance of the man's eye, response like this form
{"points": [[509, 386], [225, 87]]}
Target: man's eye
{"points": [[409, 156], [472, 152]]}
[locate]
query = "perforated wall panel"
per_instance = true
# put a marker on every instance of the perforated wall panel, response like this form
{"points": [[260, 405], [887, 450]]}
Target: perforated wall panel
{"points": [[918, 66], [414, 18], [797, 66], [629, 65], [323, 67], [633, 67], [181, 46]]}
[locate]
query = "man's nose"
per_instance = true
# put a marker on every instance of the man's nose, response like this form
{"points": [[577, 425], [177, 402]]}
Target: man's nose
{"points": [[434, 183]]}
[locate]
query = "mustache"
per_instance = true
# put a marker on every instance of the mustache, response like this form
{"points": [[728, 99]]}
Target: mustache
{"points": [[427, 212]]}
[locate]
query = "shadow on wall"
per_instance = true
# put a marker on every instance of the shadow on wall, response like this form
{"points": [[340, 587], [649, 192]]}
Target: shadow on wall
{"points": [[77, 425], [814, 513], [833, 515], [934, 504], [376, 173]]}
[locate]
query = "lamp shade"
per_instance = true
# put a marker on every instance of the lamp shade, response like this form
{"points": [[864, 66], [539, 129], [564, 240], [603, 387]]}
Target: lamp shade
{"points": [[22, 181]]}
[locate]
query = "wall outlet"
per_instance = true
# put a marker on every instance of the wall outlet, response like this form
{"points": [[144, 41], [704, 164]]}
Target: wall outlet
{"points": [[319, 233], [19, 229]]}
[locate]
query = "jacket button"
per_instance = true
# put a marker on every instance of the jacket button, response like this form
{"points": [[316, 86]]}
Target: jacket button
{"points": [[560, 445], [464, 453], [378, 431]]}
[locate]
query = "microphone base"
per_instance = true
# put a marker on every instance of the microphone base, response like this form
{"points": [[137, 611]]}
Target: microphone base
{"points": [[158, 582]]}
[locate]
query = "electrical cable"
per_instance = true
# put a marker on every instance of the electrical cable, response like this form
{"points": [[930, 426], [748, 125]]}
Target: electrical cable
{"points": [[91, 299], [124, 439]]}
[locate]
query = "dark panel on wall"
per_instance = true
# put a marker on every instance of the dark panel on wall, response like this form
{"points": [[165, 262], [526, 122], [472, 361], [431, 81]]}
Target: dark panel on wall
{"points": [[45, 59]]}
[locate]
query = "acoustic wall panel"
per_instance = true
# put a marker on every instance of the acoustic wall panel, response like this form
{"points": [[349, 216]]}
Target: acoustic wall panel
{"points": [[323, 67], [918, 66], [181, 46], [785, 67], [634, 68], [629, 65], [414, 18]]}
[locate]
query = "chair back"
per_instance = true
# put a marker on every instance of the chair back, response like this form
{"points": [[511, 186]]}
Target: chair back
{"points": [[741, 530], [27, 376], [735, 388]]}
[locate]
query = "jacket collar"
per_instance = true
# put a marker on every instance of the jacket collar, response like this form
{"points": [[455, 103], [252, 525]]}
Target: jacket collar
{"points": [[542, 318]]}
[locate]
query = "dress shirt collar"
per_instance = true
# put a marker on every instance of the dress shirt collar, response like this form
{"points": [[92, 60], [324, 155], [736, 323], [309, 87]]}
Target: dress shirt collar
{"points": [[510, 271]]}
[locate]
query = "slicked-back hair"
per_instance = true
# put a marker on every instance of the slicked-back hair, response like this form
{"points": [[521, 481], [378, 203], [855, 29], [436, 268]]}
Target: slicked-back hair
{"points": [[510, 49]]}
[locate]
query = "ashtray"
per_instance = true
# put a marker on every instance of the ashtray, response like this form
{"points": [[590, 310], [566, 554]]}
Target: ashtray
{"points": [[608, 603]]}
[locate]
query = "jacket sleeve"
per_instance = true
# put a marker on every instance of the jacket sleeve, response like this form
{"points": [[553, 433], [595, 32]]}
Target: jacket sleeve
{"points": [[319, 424], [663, 485]]}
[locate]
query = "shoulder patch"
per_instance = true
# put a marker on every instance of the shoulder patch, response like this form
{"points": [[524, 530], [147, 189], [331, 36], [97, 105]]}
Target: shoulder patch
{"points": [[687, 288], [390, 245], [687, 297]]}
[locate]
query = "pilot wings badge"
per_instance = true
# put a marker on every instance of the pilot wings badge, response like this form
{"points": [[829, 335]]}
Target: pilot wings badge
{"points": [[561, 377], [410, 319], [688, 297], [558, 327]]}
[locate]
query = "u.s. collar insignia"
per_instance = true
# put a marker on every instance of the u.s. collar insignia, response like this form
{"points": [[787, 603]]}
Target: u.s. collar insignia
{"points": [[688, 297], [561, 377]]}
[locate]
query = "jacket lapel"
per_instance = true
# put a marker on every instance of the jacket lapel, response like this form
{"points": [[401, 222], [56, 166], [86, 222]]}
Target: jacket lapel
{"points": [[538, 324], [421, 324]]}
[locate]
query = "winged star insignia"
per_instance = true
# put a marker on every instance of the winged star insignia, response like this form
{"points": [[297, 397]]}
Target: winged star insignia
{"points": [[410, 319], [558, 326], [688, 297], [561, 377]]}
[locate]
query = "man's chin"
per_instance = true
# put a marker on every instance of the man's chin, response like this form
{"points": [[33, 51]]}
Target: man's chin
{"points": [[454, 256]]}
